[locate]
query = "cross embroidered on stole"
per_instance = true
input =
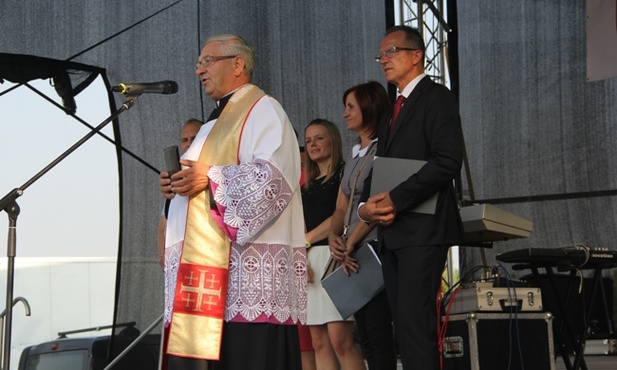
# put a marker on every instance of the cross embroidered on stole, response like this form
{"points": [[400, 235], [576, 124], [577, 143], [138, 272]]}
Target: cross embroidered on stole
{"points": [[201, 288]]}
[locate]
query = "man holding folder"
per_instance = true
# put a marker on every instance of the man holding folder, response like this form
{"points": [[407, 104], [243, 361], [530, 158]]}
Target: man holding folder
{"points": [[414, 245]]}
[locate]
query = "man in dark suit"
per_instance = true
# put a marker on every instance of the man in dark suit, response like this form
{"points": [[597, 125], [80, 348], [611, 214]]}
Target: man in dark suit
{"points": [[414, 246]]}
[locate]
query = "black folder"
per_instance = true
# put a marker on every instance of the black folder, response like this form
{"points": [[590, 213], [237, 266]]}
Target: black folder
{"points": [[350, 293], [390, 172]]}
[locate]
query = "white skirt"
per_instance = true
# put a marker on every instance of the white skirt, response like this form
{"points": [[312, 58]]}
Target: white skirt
{"points": [[320, 309]]}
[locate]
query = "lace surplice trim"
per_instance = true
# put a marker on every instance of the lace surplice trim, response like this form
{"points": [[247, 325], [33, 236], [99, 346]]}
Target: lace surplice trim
{"points": [[267, 282], [172, 261], [249, 195]]}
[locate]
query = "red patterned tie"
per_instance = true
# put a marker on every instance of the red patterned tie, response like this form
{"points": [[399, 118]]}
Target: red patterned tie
{"points": [[397, 109]]}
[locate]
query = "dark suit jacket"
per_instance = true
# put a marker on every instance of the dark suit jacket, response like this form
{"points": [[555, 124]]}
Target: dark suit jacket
{"points": [[428, 128]]}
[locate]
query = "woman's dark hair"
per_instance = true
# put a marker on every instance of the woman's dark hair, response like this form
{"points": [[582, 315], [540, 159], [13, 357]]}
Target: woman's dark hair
{"points": [[373, 102]]}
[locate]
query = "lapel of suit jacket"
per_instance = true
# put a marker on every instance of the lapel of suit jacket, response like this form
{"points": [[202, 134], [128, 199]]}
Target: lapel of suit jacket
{"points": [[402, 118]]}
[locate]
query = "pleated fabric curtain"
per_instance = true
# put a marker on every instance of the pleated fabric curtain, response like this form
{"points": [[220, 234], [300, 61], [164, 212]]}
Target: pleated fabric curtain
{"points": [[307, 54], [539, 137]]}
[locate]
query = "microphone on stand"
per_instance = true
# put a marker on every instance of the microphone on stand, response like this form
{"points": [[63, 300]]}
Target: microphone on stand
{"points": [[162, 87]]}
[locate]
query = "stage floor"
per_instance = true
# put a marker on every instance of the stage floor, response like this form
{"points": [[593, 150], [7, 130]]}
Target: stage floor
{"points": [[594, 362]]}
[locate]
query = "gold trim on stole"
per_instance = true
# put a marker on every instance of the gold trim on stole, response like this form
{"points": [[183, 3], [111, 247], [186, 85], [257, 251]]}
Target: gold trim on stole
{"points": [[201, 288]]}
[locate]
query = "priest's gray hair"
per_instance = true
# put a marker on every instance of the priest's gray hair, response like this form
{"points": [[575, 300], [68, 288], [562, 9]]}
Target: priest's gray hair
{"points": [[236, 45]]}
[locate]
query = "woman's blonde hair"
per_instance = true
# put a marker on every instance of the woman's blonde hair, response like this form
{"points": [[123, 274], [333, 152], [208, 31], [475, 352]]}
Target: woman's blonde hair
{"points": [[336, 152]]}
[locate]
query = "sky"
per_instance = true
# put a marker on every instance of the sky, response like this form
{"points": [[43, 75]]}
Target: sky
{"points": [[67, 229], [72, 210]]}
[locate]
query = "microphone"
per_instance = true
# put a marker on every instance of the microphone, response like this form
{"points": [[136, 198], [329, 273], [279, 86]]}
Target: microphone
{"points": [[162, 87]]}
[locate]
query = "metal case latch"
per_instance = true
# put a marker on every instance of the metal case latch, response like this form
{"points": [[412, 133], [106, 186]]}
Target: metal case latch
{"points": [[453, 347]]}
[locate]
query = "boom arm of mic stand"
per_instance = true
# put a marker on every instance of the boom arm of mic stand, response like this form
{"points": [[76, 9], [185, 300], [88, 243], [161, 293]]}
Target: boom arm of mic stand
{"points": [[9, 204]]}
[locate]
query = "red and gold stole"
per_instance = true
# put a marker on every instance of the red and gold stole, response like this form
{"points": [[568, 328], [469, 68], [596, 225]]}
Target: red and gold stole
{"points": [[201, 288]]}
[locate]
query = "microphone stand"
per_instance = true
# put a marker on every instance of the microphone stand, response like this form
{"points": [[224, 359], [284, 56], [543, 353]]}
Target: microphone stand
{"points": [[9, 204]]}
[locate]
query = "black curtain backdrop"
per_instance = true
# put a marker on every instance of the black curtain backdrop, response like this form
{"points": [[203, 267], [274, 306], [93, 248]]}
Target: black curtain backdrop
{"points": [[539, 137]]}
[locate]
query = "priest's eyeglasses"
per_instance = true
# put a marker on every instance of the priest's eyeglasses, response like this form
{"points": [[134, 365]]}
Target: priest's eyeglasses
{"points": [[205, 62], [390, 52]]}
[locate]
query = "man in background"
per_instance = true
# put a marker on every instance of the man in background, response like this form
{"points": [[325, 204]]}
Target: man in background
{"points": [[189, 130]]}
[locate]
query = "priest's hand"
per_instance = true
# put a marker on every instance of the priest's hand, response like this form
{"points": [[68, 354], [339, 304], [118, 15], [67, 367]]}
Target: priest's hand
{"points": [[191, 180], [165, 185]]}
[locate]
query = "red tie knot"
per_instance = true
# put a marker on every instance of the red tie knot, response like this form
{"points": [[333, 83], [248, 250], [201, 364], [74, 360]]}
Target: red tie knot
{"points": [[397, 108]]}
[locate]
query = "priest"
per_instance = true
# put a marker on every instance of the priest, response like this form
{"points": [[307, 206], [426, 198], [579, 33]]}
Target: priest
{"points": [[235, 258]]}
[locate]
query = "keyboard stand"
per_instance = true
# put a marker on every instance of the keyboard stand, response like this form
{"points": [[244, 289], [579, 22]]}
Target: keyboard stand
{"points": [[576, 340]]}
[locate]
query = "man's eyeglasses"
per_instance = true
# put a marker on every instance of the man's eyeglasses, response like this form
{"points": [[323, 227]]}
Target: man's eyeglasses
{"points": [[390, 52], [205, 62]]}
